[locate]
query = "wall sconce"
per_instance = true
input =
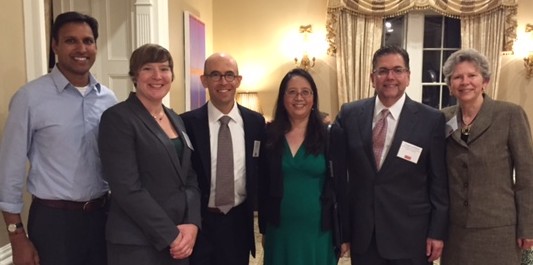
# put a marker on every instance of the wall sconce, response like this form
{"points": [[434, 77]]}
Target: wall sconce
{"points": [[249, 100], [523, 48], [528, 59], [306, 63]]}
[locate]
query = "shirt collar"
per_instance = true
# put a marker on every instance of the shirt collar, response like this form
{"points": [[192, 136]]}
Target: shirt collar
{"points": [[394, 110], [62, 83], [214, 114]]}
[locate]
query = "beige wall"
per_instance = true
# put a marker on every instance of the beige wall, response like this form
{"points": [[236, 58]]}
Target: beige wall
{"points": [[257, 34], [203, 10], [514, 86], [12, 71]]}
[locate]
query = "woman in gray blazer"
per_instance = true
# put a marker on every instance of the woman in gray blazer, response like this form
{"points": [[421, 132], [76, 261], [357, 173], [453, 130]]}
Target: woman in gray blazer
{"points": [[154, 214], [491, 209]]}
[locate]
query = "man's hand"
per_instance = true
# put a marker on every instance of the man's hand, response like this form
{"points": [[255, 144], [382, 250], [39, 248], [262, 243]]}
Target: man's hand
{"points": [[183, 246], [345, 250], [525, 243], [24, 253], [434, 249]]}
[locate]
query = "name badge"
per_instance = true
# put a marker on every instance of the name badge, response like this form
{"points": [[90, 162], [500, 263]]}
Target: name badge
{"points": [[187, 140], [409, 152], [451, 126], [257, 146]]}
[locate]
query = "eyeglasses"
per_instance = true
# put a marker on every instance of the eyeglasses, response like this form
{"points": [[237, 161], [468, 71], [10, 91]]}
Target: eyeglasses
{"points": [[217, 76], [293, 93], [396, 72]]}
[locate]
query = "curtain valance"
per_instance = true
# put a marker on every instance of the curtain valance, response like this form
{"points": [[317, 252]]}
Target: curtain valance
{"points": [[389, 8]]}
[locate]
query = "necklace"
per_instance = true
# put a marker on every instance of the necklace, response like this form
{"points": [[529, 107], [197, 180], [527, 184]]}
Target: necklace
{"points": [[159, 117], [465, 130]]}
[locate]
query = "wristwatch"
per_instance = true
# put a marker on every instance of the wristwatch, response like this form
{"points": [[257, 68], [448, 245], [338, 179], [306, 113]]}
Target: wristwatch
{"points": [[13, 228]]}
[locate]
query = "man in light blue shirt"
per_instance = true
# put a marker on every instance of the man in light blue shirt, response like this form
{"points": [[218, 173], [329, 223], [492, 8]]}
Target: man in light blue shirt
{"points": [[53, 125]]}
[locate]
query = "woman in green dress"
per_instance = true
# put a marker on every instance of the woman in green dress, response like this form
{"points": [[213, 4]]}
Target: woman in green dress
{"points": [[297, 194]]}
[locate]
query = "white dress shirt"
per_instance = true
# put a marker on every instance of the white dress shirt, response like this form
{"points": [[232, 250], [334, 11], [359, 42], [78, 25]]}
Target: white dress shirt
{"points": [[236, 126]]}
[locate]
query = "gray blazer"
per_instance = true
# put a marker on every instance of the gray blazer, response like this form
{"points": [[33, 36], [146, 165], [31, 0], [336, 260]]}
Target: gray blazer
{"points": [[152, 191], [481, 172]]}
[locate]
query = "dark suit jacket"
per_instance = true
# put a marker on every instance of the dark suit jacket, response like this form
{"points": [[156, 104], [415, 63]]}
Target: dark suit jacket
{"points": [[197, 125], [403, 202], [271, 185], [152, 190]]}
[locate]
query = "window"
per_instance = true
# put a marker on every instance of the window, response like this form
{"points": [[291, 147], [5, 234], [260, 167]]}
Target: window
{"points": [[429, 47]]}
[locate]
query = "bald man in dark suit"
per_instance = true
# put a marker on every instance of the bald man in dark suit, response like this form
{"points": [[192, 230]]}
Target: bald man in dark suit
{"points": [[225, 237]]}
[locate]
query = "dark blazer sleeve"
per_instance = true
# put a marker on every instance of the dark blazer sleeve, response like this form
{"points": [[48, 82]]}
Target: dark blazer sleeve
{"points": [[268, 166], [438, 181], [338, 157]]}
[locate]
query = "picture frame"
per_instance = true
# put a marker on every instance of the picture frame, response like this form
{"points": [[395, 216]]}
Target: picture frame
{"points": [[194, 51]]}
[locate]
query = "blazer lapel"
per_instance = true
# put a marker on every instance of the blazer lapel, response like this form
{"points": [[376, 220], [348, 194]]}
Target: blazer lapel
{"points": [[141, 112], [201, 131], [366, 115], [483, 119], [186, 156], [248, 141]]}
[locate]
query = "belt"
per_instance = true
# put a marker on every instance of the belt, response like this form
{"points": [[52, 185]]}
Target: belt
{"points": [[87, 206], [218, 211]]}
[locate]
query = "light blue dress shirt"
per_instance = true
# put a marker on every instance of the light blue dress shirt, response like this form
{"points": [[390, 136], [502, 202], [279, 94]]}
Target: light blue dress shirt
{"points": [[54, 127]]}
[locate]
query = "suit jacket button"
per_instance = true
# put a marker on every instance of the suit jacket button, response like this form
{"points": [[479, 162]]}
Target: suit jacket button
{"points": [[465, 203]]}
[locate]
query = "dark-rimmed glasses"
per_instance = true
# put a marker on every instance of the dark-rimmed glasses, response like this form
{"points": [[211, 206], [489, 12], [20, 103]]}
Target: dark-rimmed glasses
{"points": [[217, 76], [396, 71]]}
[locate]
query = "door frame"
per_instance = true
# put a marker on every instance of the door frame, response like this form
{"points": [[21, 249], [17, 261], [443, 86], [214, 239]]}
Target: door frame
{"points": [[155, 29]]}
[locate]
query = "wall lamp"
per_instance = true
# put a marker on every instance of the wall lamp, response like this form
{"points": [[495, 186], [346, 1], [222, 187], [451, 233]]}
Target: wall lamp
{"points": [[249, 100], [306, 63], [528, 59]]}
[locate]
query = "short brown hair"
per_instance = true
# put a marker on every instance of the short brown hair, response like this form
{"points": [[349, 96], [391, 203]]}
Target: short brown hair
{"points": [[149, 53]]}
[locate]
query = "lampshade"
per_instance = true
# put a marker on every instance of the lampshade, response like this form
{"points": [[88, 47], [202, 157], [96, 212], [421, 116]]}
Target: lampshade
{"points": [[249, 100], [523, 47]]}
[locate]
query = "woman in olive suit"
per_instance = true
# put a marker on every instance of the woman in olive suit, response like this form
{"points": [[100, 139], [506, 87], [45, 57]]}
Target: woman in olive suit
{"points": [[491, 209]]}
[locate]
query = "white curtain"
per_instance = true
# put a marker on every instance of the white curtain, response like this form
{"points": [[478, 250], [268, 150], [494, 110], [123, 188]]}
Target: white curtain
{"points": [[355, 32], [485, 33], [358, 38]]}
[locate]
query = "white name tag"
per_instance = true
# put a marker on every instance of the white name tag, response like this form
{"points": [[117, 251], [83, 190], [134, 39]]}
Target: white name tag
{"points": [[187, 140], [257, 146], [409, 152], [451, 126]]}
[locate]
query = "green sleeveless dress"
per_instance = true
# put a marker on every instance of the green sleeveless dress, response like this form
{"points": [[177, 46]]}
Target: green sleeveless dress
{"points": [[299, 239]]}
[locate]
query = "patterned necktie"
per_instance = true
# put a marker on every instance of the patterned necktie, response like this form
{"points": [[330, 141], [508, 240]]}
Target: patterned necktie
{"points": [[224, 189], [378, 136]]}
